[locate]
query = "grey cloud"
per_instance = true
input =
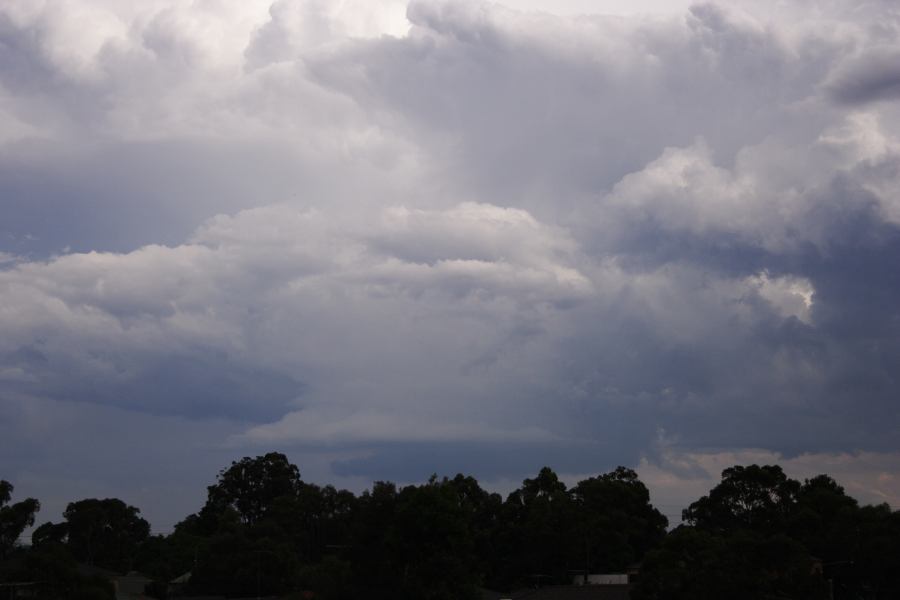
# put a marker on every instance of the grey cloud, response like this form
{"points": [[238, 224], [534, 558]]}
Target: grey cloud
{"points": [[22, 67], [318, 427], [195, 384], [120, 196], [601, 100], [197, 329], [292, 27], [416, 462], [868, 78]]}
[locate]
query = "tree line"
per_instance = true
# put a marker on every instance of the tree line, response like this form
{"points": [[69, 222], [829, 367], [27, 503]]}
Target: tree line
{"points": [[263, 531]]}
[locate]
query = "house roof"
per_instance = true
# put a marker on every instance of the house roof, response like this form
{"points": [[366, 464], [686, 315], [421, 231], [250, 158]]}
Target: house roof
{"points": [[183, 578], [87, 570], [574, 592], [487, 594]]}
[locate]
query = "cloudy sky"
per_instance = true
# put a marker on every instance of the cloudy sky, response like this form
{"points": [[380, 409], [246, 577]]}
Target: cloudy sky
{"points": [[392, 238]]}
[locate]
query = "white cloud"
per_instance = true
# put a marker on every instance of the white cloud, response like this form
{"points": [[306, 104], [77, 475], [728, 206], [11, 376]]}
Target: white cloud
{"points": [[790, 296]]}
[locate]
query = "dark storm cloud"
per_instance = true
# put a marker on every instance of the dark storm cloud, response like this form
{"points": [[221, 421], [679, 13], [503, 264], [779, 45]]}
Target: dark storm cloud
{"points": [[197, 384], [731, 380]]}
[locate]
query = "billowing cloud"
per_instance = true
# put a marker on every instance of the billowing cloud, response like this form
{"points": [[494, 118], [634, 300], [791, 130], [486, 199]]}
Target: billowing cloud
{"points": [[235, 321], [397, 238], [867, 78]]}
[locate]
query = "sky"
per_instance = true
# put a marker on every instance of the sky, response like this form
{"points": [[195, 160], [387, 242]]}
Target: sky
{"points": [[399, 238]]}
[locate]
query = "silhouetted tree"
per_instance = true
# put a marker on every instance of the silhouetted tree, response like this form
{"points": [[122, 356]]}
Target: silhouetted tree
{"points": [[735, 544], [824, 519], [541, 543], [252, 485], [617, 523], [696, 564], [106, 533], [14, 518], [263, 531], [756, 498]]}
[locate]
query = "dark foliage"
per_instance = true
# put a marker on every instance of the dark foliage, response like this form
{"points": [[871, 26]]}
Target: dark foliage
{"points": [[759, 534], [264, 532], [14, 518]]}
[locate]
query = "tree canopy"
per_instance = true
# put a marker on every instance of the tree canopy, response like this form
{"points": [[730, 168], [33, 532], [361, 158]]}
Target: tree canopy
{"points": [[760, 534], [263, 531], [251, 486], [14, 518]]}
